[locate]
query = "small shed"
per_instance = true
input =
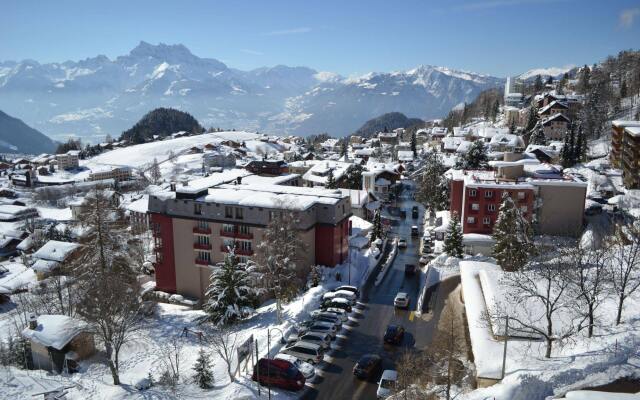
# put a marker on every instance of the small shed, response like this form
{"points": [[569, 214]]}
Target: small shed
{"points": [[58, 342]]}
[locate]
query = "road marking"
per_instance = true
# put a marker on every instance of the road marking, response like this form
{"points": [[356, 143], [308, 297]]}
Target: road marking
{"points": [[412, 315]]}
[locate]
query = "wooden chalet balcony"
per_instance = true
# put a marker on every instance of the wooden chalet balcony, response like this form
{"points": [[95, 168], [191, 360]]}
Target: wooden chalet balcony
{"points": [[202, 231]]}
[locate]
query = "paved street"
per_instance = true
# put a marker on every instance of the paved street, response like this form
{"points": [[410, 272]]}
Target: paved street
{"points": [[366, 328]]}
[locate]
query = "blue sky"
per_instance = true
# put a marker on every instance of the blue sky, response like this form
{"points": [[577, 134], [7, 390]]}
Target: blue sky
{"points": [[497, 37]]}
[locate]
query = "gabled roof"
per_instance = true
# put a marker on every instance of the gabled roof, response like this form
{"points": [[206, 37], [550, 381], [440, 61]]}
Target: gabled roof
{"points": [[555, 117], [553, 104], [54, 330]]}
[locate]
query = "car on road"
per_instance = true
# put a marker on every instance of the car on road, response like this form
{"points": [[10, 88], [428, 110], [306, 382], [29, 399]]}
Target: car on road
{"points": [[323, 339], [337, 312], [311, 353], [308, 370], [340, 303], [402, 243], [394, 334], [349, 288], [403, 213], [368, 366], [426, 259], [279, 373], [409, 269], [318, 326], [415, 231], [401, 300], [415, 212], [387, 384]]}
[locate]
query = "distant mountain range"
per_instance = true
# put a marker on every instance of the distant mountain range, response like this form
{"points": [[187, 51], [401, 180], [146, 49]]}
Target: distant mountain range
{"points": [[99, 96], [18, 137]]}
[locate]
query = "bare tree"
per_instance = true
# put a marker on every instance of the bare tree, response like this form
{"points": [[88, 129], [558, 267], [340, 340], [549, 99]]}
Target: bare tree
{"points": [[171, 358], [537, 294], [279, 256], [111, 306], [225, 341], [154, 172], [625, 263], [589, 274], [411, 376], [447, 352]]}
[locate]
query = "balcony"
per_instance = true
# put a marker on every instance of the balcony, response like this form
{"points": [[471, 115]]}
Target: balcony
{"points": [[200, 261], [238, 252], [201, 231], [202, 246], [236, 234]]}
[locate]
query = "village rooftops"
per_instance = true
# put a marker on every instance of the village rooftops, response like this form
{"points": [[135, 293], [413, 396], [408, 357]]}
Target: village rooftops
{"points": [[320, 171], [537, 174], [55, 250], [54, 330], [620, 123]]}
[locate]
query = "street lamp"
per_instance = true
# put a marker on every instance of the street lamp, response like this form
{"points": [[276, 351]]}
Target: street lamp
{"points": [[269, 353]]}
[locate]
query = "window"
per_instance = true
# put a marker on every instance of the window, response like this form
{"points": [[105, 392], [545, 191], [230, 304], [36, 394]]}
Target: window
{"points": [[274, 215], [204, 256], [244, 229], [197, 208], [228, 228], [475, 206], [473, 193], [521, 195], [202, 224], [228, 212], [201, 239], [488, 194], [491, 207], [238, 213], [244, 245], [229, 243], [471, 220], [486, 220]]}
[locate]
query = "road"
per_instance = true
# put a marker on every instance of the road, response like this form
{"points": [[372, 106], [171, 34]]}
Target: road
{"points": [[366, 327]]}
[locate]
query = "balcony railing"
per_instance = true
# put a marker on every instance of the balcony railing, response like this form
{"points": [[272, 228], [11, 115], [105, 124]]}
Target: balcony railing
{"points": [[201, 261], [201, 230], [236, 234], [202, 246], [237, 251]]}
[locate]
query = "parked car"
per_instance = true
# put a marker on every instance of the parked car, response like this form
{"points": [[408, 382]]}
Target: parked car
{"points": [[403, 213], [426, 259], [279, 373], [344, 294], [308, 370], [409, 269], [323, 339], [415, 212], [368, 366], [311, 353], [328, 317], [401, 300], [415, 231], [340, 303], [338, 312], [318, 326], [387, 384], [402, 243], [394, 334], [349, 288]]}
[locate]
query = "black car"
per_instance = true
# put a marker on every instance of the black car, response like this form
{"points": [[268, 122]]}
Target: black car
{"points": [[368, 366], [409, 269], [414, 212], [394, 334]]}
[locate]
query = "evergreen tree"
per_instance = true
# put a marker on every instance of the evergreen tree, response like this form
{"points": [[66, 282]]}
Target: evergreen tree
{"points": [[453, 239], [623, 90], [532, 119], [433, 188], [568, 149], [495, 111], [204, 376], [231, 294], [344, 148], [512, 127], [354, 177], [583, 80], [580, 149], [476, 157], [549, 81], [331, 181], [562, 83], [414, 143], [538, 137], [537, 84], [512, 235], [376, 231]]}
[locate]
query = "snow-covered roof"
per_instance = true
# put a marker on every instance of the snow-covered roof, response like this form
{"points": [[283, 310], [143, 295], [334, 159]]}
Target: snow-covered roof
{"points": [[44, 266], [55, 250], [621, 123], [17, 277], [320, 171], [551, 105], [359, 226], [57, 179], [507, 139], [405, 155], [198, 185], [555, 117], [54, 330], [140, 205], [633, 130]]}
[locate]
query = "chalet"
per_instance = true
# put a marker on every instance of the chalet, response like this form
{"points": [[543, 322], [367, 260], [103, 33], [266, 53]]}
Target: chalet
{"points": [[555, 107], [51, 255], [555, 127], [267, 167]]}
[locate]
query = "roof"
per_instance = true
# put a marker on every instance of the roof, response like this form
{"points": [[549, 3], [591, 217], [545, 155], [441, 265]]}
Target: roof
{"points": [[55, 250], [554, 117], [620, 123], [140, 205], [551, 105], [633, 130], [320, 171], [54, 330]]}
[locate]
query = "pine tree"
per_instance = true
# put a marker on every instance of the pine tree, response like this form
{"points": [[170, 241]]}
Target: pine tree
{"points": [[331, 181], [495, 111], [453, 245], [476, 157], [204, 376], [231, 294], [583, 80], [414, 144], [532, 119], [538, 137], [549, 81], [376, 231], [537, 84], [155, 172], [568, 149], [512, 127], [623, 90], [512, 235], [580, 149], [354, 177], [433, 187]]}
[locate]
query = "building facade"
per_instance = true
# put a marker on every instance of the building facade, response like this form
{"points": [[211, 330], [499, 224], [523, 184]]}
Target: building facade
{"points": [[68, 160], [195, 228], [625, 151]]}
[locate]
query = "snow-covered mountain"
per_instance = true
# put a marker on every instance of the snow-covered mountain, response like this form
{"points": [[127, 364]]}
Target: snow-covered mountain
{"points": [[96, 96], [554, 72]]}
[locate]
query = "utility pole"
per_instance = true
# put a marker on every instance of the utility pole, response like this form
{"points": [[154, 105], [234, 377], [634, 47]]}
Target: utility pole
{"points": [[504, 352]]}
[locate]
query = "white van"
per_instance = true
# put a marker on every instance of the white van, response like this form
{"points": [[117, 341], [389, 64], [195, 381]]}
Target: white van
{"points": [[305, 351]]}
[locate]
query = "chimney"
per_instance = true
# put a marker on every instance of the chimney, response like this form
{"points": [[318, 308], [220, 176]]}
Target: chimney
{"points": [[33, 321]]}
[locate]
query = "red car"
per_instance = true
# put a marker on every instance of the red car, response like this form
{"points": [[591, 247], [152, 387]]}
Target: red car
{"points": [[278, 373]]}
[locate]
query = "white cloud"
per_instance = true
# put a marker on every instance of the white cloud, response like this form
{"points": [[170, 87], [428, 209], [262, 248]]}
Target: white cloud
{"points": [[252, 52], [628, 17], [293, 31]]}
